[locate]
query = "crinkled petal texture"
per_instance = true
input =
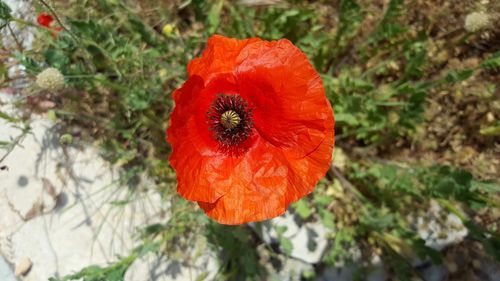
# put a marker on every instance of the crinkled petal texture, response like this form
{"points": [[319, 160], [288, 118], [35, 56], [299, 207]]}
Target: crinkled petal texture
{"points": [[292, 139]]}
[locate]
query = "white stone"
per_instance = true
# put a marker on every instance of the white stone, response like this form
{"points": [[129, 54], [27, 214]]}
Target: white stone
{"points": [[430, 228], [159, 268], [292, 270], [308, 239], [83, 228], [30, 197], [6, 273]]}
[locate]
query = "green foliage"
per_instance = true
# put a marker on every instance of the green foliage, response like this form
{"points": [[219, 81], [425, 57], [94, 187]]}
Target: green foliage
{"points": [[234, 244], [303, 210], [457, 76], [338, 253], [5, 14], [387, 28], [493, 62], [414, 186]]}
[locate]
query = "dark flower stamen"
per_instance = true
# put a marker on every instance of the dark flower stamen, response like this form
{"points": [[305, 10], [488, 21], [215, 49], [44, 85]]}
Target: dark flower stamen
{"points": [[230, 120]]}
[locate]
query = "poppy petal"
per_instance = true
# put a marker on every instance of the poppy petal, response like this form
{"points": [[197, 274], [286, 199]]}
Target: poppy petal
{"points": [[291, 110], [269, 180], [218, 57], [203, 172]]}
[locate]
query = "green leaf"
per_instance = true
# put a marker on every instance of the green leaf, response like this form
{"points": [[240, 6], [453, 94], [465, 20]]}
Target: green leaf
{"points": [[119, 202], [388, 27], [351, 16], [488, 187], [3, 72], [152, 229], [5, 14], [459, 75], [286, 245], [492, 62], [322, 200], [213, 18], [51, 115], [56, 58], [327, 218], [4, 143], [28, 62], [302, 209], [202, 276], [378, 221], [144, 30], [490, 131], [347, 118], [8, 117], [416, 56], [147, 248]]}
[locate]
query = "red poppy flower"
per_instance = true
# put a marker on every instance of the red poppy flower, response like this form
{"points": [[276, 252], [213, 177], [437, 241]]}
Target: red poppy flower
{"points": [[45, 19], [251, 131]]}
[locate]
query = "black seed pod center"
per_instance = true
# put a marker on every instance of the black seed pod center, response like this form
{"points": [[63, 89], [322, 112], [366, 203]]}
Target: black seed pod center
{"points": [[229, 119]]}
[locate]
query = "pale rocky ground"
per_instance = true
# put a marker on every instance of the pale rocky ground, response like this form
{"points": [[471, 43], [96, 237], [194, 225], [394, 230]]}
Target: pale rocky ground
{"points": [[56, 206], [56, 203]]}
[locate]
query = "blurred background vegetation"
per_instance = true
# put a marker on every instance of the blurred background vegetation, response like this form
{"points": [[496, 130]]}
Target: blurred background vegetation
{"points": [[414, 85]]}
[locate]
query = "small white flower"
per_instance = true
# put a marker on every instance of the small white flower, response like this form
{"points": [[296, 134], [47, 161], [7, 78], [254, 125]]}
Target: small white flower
{"points": [[477, 21], [50, 79]]}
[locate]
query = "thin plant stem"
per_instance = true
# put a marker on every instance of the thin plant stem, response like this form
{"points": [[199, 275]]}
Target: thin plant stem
{"points": [[19, 45]]}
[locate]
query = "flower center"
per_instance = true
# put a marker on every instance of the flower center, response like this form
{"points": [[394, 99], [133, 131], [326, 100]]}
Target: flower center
{"points": [[229, 118]]}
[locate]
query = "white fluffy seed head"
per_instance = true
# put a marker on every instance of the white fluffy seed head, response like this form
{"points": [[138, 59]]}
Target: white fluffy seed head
{"points": [[50, 79], [477, 21]]}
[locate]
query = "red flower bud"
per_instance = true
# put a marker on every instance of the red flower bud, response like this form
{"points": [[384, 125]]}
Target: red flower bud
{"points": [[45, 19]]}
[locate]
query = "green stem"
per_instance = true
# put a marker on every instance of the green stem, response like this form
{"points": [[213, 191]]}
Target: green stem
{"points": [[19, 45], [447, 204]]}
